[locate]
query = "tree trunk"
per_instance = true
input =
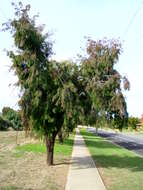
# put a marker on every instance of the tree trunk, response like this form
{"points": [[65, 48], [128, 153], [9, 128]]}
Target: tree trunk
{"points": [[96, 129], [60, 137], [16, 136], [50, 142]]}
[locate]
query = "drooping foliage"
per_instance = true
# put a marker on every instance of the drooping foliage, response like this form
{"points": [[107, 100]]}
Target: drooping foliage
{"points": [[47, 91]]}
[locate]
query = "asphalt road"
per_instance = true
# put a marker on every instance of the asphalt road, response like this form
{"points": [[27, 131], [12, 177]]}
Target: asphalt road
{"points": [[130, 142]]}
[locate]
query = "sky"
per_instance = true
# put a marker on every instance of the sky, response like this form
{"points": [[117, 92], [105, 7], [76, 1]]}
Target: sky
{"points": [[70, 21]]}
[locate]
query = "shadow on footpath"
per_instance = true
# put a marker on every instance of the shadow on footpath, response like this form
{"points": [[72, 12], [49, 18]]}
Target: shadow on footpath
{"points": [[134, 164]]}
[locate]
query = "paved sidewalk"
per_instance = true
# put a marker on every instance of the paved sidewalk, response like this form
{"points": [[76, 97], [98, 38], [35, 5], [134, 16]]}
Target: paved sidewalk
{"points": [[83, 174]]}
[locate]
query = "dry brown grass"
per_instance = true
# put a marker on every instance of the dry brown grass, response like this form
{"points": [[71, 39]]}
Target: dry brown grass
{"points": [[29, 171]]}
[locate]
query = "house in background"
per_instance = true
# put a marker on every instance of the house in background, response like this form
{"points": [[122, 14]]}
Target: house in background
{"points": [[138, 125], [141, 120]]}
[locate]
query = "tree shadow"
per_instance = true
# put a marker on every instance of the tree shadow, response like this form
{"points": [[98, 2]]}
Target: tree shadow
{"points": [[131, 162], [62, 163], [134, 164], [113, 159], [110, 161]]}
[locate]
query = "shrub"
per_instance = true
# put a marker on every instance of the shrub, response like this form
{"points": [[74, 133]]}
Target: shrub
{"points": [[132, 122], [4, 124]]}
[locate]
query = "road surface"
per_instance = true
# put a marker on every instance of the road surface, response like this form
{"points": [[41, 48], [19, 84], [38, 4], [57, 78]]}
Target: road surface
{"points": [[130, 142]]}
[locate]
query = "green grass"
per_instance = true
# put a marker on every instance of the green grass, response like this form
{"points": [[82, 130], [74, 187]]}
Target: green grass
{"points": [[120, 169], [64, 149], [10, 188]]}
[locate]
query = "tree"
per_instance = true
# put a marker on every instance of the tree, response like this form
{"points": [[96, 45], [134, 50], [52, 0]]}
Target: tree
{"points": [[103, 81], [47, 91]]}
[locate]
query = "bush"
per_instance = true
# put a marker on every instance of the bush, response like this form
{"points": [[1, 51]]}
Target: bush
{"points": [[132, 122]]}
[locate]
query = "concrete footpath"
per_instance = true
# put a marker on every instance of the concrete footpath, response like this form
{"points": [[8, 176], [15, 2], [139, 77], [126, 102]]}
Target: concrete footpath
{"points": [[83, 174]]}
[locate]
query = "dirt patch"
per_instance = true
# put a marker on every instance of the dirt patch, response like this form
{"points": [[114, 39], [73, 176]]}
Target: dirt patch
{"points": [[32, 172]]}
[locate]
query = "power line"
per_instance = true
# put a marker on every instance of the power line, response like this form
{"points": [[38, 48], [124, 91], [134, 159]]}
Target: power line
{"points": [[132, 20]]}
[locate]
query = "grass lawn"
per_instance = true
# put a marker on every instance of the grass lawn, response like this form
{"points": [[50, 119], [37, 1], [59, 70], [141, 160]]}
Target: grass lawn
{"points": [[24, 167], [120, 169], [65, 149]]}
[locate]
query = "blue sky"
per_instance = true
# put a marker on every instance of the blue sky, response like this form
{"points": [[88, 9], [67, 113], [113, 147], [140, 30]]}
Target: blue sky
{"points": [[72, 20]]}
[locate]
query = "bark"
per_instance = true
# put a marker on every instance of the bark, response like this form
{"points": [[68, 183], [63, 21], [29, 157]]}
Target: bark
{"points": [[50, 142], [60, 137]]}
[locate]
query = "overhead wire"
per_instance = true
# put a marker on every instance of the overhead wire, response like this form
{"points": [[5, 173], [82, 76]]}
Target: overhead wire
{"points": [[3, 13], [131, 21]]}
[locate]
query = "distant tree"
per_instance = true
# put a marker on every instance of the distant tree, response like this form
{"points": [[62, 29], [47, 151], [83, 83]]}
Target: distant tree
{"points": [[132, 122], [13, 117]]}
